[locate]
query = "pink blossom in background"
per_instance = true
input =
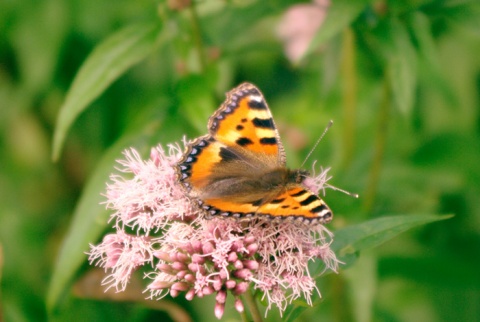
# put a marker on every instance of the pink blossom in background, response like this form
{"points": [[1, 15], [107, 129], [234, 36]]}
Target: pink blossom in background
{"points": [[299, 26], [158, 227]]}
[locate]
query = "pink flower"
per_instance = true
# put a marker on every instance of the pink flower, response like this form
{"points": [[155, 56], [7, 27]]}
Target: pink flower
{"points": [[152, 198], [299, 25], [316, 183], [122, 254], [157, 226]]}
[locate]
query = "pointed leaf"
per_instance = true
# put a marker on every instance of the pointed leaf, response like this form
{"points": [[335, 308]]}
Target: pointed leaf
{"points": [[293, 311], [431, 69], [104, 65], [350, 240], [196, 100], [402, 61], [375, 232]]}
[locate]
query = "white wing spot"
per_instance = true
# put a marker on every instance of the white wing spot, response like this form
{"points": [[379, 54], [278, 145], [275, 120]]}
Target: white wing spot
{"points": [[256, 98]]}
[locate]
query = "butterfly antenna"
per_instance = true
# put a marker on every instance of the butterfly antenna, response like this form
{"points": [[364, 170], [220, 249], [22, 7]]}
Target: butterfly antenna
{"points": [[348, 193], [329, 125]]}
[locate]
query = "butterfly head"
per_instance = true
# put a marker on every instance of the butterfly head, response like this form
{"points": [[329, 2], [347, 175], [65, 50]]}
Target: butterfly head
{"points": [[298, 175]]}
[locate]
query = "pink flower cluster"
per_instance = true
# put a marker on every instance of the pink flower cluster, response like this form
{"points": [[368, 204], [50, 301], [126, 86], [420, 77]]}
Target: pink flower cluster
{"points": [[299, 25], [158, 226]]}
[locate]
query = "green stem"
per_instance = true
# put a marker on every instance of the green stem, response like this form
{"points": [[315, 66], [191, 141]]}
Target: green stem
{"points": [[197, 37], [379, 149], [249, 300], [342, 308], [244, 316], [349, 94]]}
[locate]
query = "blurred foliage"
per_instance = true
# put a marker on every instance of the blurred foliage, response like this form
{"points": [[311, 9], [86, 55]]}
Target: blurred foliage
{"points": [[400, 79]]}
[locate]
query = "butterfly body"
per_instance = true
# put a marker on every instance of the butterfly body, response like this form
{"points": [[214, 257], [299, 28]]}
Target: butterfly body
{"points": [[239, 168]]}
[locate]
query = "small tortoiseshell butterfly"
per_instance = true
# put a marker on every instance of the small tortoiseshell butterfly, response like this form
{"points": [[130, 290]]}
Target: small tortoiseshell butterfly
{"points": [[238, 169]]}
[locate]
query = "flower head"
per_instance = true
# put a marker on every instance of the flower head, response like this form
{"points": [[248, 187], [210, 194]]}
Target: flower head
{"points": [[158, 226]]}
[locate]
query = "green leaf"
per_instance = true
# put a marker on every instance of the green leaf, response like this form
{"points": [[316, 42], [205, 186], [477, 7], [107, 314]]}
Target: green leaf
{"points": [[293, 311], [350, 240], [196, 100], [418, 269], [340, 14], [461, 14], [375, 232], [223, 28], [37, 39], [403, 69], [89, 221], [431, 70], [104, 65], [362, 281]]}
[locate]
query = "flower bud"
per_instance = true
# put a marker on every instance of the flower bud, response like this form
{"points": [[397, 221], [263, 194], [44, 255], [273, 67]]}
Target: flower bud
{"points": [[243, 274], [232, 257], [159, 285], [217, 284], [219, 309], [181, 275], [207, 248], [239, 305], [190, 278], [198, 259], [162, 255], [251, 264], [181, 257], [190, 294], [197, 246], [180, 286], [238, 264], [230, 284], [249, 239], [178, 266], [252, 249], [174, 293], [166, 268], [207, 290], [221, 297], [241, 288]]}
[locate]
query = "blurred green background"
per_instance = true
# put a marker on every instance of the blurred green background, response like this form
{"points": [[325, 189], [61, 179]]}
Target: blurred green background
{"points": [[400, 80]]}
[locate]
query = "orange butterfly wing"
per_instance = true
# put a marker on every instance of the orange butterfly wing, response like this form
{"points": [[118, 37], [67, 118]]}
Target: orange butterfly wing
{"points": [[296, 203], [245, 120]]}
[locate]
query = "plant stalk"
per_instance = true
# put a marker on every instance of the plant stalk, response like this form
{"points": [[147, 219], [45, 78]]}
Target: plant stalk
{"points": [[197, 37], [249, 300], [379, 149]]}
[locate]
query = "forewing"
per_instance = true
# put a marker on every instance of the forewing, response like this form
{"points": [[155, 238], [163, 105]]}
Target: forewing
{"points": [[245, 122]]}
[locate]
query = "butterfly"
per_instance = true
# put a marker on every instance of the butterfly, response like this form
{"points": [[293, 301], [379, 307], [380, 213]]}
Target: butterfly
{"points": [[239, 168]]}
